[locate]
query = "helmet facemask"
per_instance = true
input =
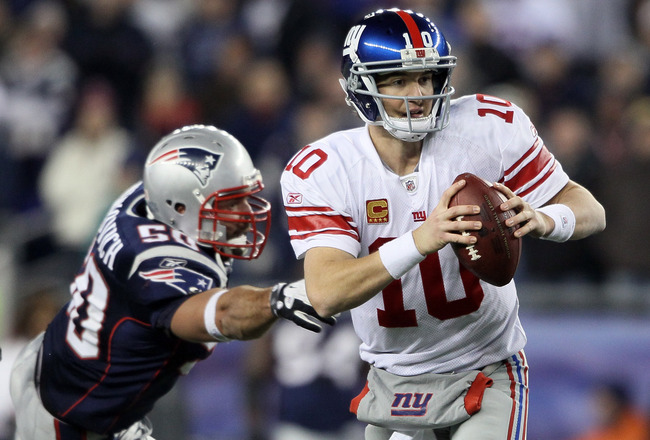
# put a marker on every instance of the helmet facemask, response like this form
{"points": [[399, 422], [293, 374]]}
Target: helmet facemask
{"points": [[246, 237], [362, 83]]}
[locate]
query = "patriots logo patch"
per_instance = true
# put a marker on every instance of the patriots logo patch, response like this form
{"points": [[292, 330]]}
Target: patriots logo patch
{"points": [[180, 278], [199, 161]]}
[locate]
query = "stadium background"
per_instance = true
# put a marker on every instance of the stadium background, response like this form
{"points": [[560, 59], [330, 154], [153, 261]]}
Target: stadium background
{"points": [[86, 87]]}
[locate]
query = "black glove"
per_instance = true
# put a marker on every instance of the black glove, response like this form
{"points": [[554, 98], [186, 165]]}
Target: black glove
{"points": [[289, 301]]}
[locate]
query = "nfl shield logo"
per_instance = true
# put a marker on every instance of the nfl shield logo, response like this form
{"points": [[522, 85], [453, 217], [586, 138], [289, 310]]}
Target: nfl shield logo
{"points": [[410, 185], [410, 182]]}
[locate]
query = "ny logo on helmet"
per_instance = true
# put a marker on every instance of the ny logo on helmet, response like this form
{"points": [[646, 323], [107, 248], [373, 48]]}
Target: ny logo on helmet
{"points": [[199, 161]]}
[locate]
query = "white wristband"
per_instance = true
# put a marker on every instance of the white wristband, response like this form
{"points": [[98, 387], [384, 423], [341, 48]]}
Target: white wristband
{"points": [[209, 314], [565, 222], [400, 255]]}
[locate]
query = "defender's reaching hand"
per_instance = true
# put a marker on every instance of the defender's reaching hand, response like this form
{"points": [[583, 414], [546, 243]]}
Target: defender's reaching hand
{"points": [[289, 301]]}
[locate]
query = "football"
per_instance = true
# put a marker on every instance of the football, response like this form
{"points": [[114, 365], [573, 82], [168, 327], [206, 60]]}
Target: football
{"points": [[495, 255]]}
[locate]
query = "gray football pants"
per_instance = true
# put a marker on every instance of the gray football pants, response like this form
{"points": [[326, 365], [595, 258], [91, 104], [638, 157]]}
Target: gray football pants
{"points": [[503, 413]]}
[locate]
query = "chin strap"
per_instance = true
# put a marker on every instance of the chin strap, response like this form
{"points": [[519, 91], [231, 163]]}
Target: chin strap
{"points": [[400, 128]]}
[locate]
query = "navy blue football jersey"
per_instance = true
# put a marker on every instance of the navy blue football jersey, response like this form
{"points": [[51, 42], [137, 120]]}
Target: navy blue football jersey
{"points": [[110, 354]]}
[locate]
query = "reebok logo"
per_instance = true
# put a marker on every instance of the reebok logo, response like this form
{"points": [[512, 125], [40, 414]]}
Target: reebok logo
{"points": [[294, 199]]}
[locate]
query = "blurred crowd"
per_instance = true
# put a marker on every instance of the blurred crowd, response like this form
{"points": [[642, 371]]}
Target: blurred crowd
{"points": [[88, 86]]}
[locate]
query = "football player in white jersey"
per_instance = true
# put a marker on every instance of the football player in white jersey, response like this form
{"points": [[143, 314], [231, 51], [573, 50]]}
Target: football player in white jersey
{"points": [[368, 211]]}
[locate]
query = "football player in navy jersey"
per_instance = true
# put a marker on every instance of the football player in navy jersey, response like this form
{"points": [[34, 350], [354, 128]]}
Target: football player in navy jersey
{"points": [[151, 298]]}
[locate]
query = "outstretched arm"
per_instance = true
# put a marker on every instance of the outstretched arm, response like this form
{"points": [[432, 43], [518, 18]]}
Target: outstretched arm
{"points": [[244, 312]]}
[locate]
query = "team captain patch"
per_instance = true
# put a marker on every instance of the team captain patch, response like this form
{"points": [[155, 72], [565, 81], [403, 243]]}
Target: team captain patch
{"points": [[377, 211]]}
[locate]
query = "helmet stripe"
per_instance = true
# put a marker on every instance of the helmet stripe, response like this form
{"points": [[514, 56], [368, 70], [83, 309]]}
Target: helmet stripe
{"points": [[416, 37], [170, 155]]}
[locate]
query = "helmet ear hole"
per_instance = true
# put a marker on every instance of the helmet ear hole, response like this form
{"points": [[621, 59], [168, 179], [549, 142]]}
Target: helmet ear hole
{"points": [[178, 207]]}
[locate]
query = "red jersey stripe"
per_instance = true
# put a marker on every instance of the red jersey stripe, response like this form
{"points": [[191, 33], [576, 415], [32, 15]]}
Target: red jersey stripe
{"points": [[294, 236], [290, 209], [540, 181], [309, 223], [530, 172], [523, 158], [416, 37]]}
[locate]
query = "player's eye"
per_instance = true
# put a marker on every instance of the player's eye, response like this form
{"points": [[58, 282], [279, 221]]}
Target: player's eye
{"points": [[425, 79], [390, 81], [240, 204]]}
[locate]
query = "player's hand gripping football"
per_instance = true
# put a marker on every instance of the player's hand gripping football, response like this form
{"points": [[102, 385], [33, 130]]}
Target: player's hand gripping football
{"points": [[289, 301], [529, 220], [441, 226]]}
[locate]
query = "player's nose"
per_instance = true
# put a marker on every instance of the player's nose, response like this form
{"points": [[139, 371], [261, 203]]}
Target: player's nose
{"points": [[415, 88]]}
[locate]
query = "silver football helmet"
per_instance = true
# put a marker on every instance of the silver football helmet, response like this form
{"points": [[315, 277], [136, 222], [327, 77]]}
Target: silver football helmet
{"points": [[197, 179]]}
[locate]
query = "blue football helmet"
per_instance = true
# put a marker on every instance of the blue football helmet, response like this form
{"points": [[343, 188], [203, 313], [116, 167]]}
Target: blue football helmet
{"points": [[394, 40]]}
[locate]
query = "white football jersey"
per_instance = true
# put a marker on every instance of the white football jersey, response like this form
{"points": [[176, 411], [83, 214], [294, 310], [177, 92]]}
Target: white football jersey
{"points": [[438, 317]]}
